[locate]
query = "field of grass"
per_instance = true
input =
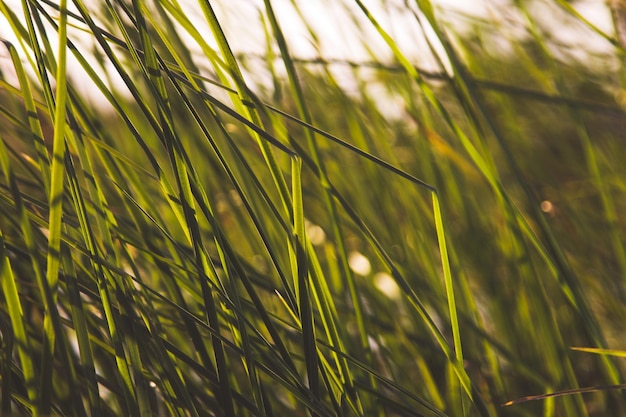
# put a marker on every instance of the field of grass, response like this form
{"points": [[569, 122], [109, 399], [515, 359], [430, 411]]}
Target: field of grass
{"points": [[228, 233]]}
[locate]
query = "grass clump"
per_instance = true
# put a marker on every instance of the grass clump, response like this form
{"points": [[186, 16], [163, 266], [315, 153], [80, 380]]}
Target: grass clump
{"points": [[216, 232]]}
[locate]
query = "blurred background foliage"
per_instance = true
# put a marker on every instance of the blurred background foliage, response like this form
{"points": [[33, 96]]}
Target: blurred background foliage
{"points": [[425, 227]]}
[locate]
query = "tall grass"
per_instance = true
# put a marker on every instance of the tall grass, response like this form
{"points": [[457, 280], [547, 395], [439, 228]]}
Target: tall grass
{"points": [[187, 229]]}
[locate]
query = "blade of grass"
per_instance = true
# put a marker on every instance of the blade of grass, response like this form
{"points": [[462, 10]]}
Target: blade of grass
{"points": [[56, 211], [301, 272]]}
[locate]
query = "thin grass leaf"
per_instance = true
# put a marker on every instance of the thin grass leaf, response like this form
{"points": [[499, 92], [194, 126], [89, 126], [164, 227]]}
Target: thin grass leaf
{"points": [[57, 174], [564, 393], [609, 352], [447, 275]]}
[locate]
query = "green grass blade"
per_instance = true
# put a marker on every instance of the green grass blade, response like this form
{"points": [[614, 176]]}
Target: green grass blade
{"points": [[10, 290], [447, 275]]}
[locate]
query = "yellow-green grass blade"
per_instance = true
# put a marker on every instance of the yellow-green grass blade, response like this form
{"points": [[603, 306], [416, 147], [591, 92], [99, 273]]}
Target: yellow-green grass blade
{"points": [[301, 273], [447, 276], [610, 352], [55, 202], [10, 290], [33, 121]]}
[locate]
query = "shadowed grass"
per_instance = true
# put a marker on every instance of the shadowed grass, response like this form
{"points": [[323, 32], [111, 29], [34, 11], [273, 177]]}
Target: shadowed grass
{"points": [[220, 233]]}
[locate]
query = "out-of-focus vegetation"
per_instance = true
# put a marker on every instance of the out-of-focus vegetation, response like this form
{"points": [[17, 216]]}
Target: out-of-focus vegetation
{"points": [[318, 236]]}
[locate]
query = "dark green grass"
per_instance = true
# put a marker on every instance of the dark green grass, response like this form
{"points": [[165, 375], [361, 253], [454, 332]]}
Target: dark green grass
{"points": [[204, 243]]}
